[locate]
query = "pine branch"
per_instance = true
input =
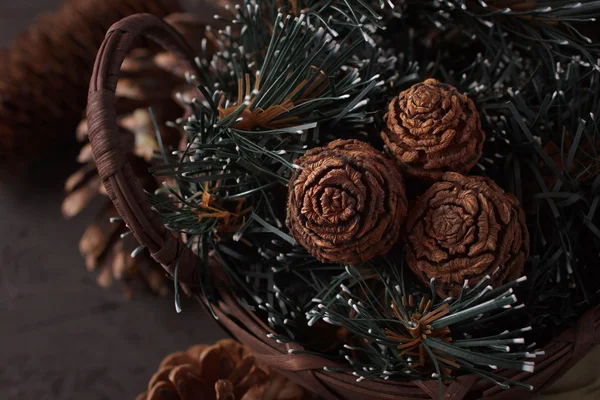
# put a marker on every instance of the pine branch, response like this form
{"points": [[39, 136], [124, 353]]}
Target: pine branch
{"points": [[402, 334]]}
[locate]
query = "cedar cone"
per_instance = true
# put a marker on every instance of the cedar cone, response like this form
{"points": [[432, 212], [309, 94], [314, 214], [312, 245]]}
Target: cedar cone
{"points": [[225, 371], [346, 203], [466, 227], [46, 73], [148, 79], [431, 128]]}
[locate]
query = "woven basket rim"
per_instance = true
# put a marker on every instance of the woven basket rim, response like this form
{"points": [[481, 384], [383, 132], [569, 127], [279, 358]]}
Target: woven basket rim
{"points": [[306, 369]]}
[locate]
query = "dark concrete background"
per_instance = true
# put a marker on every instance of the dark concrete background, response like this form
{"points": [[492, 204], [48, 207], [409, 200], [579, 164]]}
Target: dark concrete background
{"points": [[61, 336]]}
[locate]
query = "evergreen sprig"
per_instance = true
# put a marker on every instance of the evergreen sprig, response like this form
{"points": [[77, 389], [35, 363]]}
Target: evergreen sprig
{"points": [[550, 29], [400, 333]]}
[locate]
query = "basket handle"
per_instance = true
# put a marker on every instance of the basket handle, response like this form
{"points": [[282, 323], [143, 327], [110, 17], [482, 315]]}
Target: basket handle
{"points": [[117, 176]]}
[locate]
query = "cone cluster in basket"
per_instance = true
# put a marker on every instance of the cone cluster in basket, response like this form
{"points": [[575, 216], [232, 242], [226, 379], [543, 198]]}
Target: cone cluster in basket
{"points": [[223, 371], [347, 203], [45, 73]]}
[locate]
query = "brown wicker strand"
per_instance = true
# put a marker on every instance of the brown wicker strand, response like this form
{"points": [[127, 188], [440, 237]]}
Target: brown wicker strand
{"points": [[110, 157]]}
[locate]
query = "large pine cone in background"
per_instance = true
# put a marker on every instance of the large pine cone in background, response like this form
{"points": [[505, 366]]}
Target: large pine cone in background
{"points": [[46, 73], [346, 203], [466, 228], [148, 79], [431, 128], [102, 246], [224, 371]]}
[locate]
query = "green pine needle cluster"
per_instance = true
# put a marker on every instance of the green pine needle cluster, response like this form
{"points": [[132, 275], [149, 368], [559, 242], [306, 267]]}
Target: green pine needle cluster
{"points": [[404, 334]]}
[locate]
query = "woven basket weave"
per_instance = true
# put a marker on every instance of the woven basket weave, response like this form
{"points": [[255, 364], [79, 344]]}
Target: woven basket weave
{"points": [[307, 370]]}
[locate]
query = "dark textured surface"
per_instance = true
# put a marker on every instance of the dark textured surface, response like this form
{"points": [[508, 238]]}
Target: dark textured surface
{"points": [[61, 336], [15, 16]]}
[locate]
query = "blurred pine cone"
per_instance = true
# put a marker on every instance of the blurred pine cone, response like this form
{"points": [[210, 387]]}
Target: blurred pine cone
{"points": [[46, 72], [224, 371], [149, 79]]}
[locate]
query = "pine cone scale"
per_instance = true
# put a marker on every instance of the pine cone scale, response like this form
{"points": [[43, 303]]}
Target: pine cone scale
{"points": [[190, 383], [163, 391], [224, 371], [224, 390], [162, 375]]}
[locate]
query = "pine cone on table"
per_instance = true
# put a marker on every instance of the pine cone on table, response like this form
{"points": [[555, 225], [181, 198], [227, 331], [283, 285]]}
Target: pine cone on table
{"points": [[431, 128], [346, 203], [466, 227], [149, 79], [224, 371], [46, 71]]}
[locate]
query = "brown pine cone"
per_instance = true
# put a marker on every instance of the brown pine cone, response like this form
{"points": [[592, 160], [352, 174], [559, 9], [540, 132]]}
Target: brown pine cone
{"points": [[431, 128], [346, 203], [224, 371], [46, 72], [106, 252], [149, 79], [466, 227]]}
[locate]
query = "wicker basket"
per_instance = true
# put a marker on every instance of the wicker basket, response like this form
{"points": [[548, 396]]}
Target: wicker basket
{"points": [[307, 370]]}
